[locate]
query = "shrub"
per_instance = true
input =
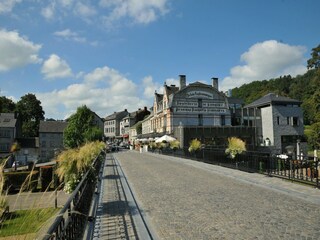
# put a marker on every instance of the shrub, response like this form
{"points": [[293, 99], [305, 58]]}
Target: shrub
{"points": [[74, 163], [174, 145], [235, 146], [195, 145]]}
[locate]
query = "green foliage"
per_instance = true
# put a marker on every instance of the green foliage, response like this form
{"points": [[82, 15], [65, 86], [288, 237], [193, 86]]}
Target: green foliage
{"points": [[6, 105], [30, 112], [81, 128], [235, 146], [304, 88], [24, 222], [314, 136], [73, 163], [314, 61], [195, 145], [139, 127]]}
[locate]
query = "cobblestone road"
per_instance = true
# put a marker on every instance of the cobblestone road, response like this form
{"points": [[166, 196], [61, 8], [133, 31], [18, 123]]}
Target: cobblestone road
{"points": [[189, 201]]}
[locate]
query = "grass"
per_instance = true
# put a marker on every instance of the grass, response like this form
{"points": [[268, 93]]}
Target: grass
{"points": [[25, 222]]}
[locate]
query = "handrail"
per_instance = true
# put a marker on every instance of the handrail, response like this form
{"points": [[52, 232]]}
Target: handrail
{"points": [[69, 222]]}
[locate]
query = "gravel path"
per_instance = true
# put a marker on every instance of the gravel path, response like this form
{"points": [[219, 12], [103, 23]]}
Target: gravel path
{"points": [[189, 201]]}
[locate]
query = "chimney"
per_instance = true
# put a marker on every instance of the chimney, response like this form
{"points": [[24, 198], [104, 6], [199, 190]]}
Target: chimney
{"points": [[182, 81], [215, 83]]}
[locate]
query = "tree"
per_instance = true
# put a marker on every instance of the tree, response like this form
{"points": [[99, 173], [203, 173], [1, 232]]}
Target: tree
{"points": [[314, 136], [30, 112], [81, 129], [314, 61], [6, 105]]}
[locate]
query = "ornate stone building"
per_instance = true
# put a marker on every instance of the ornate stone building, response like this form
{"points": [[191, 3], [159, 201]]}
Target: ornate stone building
{"points": [[196, 104]]}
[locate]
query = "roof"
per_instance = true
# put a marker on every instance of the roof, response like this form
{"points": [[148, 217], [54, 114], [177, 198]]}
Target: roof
{"points": [[117, 115], [52, 126], [171, 89], [197, 83], [273, 99], [159, 97], [7, 120]]}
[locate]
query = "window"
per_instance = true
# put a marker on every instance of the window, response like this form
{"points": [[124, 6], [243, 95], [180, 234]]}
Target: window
{"points": [[288, 120], [4, 147], [278, 120], [200, 103], [295, 121], [200, 119], [223, 120]]}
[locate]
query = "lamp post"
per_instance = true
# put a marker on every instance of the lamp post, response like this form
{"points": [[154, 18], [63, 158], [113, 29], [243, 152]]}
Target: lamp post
{"points": [[290, 150]]}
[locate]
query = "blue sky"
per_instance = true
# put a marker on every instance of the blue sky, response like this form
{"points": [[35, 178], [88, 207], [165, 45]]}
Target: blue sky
{"points": [[113, 54]]}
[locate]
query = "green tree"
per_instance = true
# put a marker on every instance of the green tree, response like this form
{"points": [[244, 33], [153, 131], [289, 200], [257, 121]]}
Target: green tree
{"points": [[81, 128], [314, 61], [6, 105], [31, 112], [139, 128], [314, 136]]}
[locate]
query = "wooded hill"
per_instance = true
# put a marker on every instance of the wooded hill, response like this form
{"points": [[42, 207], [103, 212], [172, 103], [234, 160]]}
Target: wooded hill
{"points": [[305, 88]]}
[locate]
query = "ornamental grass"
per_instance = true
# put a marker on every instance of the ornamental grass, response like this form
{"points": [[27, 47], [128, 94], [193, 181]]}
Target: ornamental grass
{"points": [[235, 146]]}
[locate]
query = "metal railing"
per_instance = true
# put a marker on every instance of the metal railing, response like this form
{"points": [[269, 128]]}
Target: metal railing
{"points": [[302, 169], [71, 220]]}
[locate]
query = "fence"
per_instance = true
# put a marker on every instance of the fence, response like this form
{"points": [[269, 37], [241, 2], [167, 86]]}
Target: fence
{"points": [[303, 169], [71, 220]]}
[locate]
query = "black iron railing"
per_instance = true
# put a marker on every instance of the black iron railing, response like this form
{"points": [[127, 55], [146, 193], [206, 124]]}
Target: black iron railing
{"points": [[71, 220], [302, 168]]}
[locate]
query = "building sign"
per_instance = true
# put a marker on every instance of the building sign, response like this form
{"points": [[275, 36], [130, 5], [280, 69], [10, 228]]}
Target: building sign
{"points": [[213, 105], [199, 94], [200, 110], [187, 104]]}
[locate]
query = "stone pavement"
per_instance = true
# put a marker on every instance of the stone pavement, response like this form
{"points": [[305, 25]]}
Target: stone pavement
{"points": [[185, 199]]}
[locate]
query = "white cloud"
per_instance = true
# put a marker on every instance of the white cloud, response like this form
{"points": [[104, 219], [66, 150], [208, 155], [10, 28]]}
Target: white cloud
{"points": [[66, 3], [49, 11], [85, 10], [16, 51], [265, 60], [70, 35], [150, 87], [55, 67], [104, 90], [140, 11], [7, 5]]}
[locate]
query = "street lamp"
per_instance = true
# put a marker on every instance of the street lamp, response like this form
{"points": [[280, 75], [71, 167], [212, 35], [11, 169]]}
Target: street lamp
{"points": [[290, 151]]}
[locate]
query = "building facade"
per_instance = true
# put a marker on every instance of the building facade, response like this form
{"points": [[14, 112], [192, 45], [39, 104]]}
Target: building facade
{"points": [[10, 130], [112, 125], [278, 121], [50, 139], [192, 105]]}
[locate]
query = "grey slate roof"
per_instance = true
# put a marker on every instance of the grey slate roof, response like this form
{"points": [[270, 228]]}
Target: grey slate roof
{"points": [[7, 120], [273, 99], [117, 115], [52, 126]]}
